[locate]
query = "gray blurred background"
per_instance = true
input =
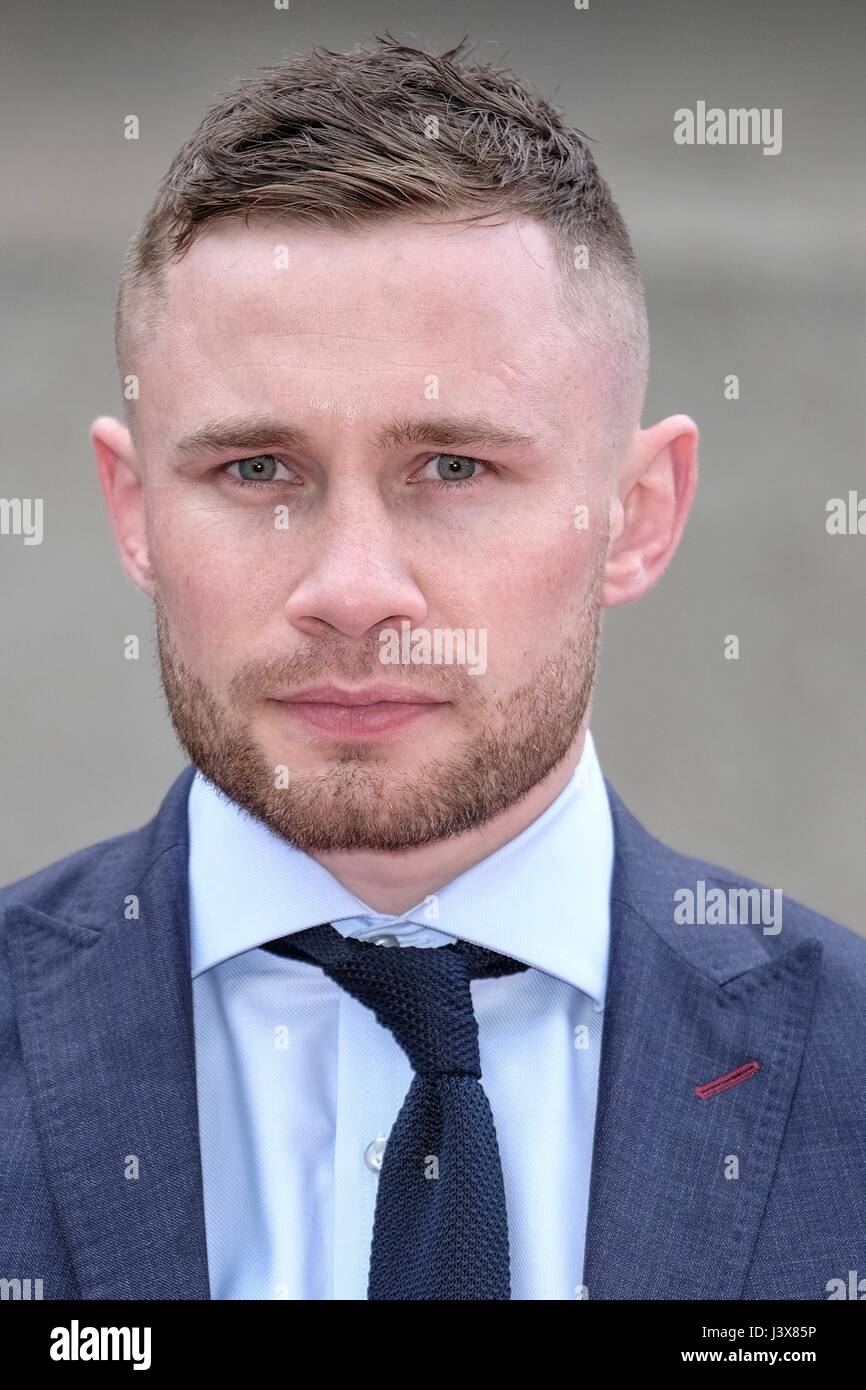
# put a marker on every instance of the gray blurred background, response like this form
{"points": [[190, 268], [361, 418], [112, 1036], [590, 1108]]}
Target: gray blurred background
{"points": [[753, 265]]}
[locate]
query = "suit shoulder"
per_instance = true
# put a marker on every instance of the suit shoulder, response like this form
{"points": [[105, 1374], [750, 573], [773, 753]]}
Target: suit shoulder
{"points": [[654, 873], [798, 921], [66, 877], [77, 885]]}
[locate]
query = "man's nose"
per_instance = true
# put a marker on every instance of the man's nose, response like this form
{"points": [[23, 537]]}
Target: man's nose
{"points": [[357, 572]]}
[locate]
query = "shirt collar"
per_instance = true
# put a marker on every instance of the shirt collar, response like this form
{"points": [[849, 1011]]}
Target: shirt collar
{"points": [[543, 898]]}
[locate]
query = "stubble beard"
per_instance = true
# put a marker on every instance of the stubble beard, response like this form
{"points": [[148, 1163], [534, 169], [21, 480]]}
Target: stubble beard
{"points": [[360, 800]]}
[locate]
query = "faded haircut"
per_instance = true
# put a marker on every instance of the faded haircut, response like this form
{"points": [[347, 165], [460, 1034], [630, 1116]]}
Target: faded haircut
{"points": [[384, 130]]}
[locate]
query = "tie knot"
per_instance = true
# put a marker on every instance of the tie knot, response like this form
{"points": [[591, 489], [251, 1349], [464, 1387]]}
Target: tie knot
{"points": [[422, 994]]}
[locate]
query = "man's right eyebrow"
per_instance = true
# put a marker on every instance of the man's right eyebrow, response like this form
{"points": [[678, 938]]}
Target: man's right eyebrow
{"points": [[242, 433]]}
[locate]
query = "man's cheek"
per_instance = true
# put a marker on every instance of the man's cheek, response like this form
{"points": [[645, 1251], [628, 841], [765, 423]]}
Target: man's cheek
{"points": [[551, 583], [204, 613], [199, 551], [226, 612]]}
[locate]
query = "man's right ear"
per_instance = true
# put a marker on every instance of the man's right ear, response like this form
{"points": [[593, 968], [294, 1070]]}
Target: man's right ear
{"points": [[119, 478]]}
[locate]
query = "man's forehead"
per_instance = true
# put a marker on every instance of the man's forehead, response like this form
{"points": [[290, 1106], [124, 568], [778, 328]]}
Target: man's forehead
{"points": [[360, 329], [402, 281], [241, 244]]}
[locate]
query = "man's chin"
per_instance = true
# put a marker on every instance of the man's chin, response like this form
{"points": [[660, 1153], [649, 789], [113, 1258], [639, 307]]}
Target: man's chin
{"points": [[314, 753], [337, 806]]}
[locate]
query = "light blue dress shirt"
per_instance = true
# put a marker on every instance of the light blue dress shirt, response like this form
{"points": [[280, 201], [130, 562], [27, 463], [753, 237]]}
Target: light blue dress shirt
{"points": [[298, 1084]]}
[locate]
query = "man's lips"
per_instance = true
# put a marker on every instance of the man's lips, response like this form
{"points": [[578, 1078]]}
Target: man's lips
{"points": [[366, 695], [359, 713]]}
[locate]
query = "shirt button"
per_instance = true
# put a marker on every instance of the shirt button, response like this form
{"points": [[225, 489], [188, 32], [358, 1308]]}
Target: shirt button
{"points": [[385, 941], [374, 1153]]}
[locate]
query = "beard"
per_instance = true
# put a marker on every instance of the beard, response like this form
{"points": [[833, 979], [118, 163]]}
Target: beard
{"points": [[359, 799]]}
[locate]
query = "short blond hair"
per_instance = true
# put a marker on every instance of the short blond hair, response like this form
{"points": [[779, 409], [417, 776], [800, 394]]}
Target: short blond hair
{"points": [[384, 130]]}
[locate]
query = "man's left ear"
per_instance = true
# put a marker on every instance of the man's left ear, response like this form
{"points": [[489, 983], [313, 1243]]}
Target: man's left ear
{"points": [[653, 494]]}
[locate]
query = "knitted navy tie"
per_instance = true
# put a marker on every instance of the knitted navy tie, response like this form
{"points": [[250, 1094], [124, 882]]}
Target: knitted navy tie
{"points": [[440, 1229]]}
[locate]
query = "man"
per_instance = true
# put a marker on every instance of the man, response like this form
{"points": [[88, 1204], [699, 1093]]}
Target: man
{"points": [[384, 352]]}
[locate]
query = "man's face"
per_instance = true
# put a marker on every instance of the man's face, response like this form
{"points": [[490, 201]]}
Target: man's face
{"points": [[278, 561]]}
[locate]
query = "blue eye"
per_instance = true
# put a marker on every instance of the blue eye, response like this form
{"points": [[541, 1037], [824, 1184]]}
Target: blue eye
{"points": [[261, 469], [451, 470]]}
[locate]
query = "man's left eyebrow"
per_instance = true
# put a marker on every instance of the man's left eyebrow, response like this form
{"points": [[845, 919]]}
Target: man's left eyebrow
{"points": [[454, 430]]}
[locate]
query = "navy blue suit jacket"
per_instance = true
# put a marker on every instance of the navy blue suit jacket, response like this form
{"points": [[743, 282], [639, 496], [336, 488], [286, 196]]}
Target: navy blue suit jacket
{"points": [[97, 1065]]}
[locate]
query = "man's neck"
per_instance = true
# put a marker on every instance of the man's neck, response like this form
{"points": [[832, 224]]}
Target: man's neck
{"points": [[392, 883]]}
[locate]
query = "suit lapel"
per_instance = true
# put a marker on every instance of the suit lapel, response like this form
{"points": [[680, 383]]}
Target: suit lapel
{"points": [[685, 1005], [104, 1006]]}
